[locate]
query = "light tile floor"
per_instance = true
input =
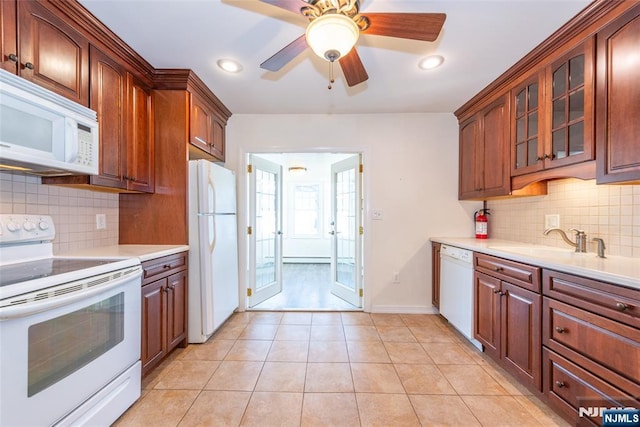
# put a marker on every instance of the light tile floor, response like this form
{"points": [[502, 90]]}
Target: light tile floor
{"points": [[334, 369]]}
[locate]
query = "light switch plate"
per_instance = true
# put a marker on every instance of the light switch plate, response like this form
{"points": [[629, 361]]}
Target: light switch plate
{"points": [[551, 221]]}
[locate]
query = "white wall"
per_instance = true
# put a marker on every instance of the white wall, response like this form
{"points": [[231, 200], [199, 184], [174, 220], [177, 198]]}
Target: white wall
{"points": [[411, 175]]}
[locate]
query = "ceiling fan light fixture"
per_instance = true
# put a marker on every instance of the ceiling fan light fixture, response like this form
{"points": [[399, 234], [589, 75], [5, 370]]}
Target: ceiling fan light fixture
{"points": [[431, 62], [332, 36], [297, 170], [229, 65]]}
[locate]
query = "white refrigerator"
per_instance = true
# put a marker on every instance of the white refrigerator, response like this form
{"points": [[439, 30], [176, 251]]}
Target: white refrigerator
{"points": [[213, 248]]}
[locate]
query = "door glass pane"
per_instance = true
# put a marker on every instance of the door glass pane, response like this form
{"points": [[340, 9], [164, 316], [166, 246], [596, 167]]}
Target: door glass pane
{"points": [[576, 105], [60, 346], [533, 96], [559, 81], [558, 112], [265, 228], [532, 151], [520, 103], [576, 138], [520, 155], [520, 129], [559, 144], [345, 228], [576, 72], [533, 124]]}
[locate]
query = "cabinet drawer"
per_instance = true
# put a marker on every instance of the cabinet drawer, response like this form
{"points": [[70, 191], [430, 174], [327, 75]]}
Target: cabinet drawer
{"points": [[524, 275], [612, 345], [569, 387], [612, 301], [155, 268]]}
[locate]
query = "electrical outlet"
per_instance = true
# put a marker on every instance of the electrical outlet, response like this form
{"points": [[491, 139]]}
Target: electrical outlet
{"points": [[376, 215], [551, 221], [101, 221], [396, 277]]}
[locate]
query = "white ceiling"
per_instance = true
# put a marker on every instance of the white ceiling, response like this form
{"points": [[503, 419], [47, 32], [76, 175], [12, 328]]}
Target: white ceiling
{"points": [[480, 40]]}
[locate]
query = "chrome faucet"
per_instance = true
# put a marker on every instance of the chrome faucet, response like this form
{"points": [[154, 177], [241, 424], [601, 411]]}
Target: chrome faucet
{"points": [[581, 238]]}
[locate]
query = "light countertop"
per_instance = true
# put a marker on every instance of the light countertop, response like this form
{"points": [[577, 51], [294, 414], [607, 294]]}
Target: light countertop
{"points": [[143, 252], [619, 270]]}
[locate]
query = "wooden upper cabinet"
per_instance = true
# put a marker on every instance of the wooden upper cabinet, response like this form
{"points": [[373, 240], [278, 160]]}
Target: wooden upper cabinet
{"points": [[9, 36], [125, 115], [552, 118], [484, 153], [206, 129], [618, 94], [108, 98], [51, 53], [140, 137], [569, 100], [527, 147]]}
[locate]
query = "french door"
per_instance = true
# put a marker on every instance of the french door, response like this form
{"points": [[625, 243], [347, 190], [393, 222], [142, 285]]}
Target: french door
{"points": [[265, 236], [346, 230]]}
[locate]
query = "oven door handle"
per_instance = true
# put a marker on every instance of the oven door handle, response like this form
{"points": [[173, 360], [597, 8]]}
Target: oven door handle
{"points": [[30, 308]]}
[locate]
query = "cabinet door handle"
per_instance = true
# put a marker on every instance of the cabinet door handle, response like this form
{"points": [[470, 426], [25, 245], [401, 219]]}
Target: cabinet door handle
{"points": [[496, 291], [621, 306], [560, 384], [29, 65], [13, 57], [560, 329]]}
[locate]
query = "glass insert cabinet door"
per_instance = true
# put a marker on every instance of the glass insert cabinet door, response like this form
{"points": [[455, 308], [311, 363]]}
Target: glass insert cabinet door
{"points": [[570, 87], [527, 144]]}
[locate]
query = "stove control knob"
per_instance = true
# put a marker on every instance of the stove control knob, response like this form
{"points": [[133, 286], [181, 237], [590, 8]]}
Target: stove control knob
{"points": [[28, 226], [12, 226], [43, 225]]}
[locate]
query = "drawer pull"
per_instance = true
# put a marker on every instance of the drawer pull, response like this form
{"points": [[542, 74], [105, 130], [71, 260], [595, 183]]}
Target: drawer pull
{"points": [[560, 330], [560, 384], [498, 269], [621, 306], [166, 266]]}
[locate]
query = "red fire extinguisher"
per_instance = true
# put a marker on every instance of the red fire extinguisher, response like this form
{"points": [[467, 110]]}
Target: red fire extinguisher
{"points": [[482, 221]]}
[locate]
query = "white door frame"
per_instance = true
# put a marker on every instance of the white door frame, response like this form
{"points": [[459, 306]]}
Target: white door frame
{"points": [[244, 220]]}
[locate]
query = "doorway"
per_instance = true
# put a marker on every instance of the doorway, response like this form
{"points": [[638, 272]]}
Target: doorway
{"points": [[305, 231]]}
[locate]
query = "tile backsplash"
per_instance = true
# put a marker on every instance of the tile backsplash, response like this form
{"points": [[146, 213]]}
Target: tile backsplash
{"points": [[73, 210], [611, 212]]}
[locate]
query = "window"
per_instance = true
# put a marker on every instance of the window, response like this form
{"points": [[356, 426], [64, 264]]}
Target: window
{"points": [[306, 210]]}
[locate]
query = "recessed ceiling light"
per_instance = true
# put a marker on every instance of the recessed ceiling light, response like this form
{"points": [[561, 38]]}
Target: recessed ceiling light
{"points": [[431, 62], [229, 65]]}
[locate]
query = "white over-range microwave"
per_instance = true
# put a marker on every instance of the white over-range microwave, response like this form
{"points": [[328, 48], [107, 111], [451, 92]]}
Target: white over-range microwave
{"points": [[43, 133]]}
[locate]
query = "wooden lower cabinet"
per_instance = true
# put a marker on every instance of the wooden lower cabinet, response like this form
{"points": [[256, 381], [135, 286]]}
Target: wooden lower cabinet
{"points": [[164, 308], [507, 323], [591, 342]]}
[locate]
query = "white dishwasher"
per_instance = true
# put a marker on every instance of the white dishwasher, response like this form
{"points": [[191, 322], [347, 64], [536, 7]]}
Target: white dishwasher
{"points": [[456, 289]]}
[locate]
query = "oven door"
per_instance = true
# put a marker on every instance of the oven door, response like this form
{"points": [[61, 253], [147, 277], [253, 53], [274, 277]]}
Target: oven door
{"points": [[57, 352]]}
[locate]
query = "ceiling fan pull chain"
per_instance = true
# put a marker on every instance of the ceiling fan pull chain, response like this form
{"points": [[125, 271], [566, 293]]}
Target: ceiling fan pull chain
{"points": [[331, 79]]}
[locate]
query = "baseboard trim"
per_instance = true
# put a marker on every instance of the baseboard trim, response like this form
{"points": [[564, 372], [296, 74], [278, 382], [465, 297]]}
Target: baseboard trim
{"points": [[403, 309]]}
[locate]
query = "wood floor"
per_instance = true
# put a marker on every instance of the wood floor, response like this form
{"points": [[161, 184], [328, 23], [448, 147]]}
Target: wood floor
{"points": [[305, 287]]}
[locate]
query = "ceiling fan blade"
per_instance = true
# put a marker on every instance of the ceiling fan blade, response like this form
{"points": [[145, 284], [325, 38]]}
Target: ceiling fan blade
{"points": [[353, 69], [290, 5], [415, 26], [286, 54]]}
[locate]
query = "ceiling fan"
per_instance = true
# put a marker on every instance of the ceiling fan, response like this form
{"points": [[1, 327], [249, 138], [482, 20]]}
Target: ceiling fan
{"points": [[334, 27]]}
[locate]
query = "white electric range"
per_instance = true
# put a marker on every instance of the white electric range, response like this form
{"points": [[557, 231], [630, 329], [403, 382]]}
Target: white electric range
{"points": [[69, 330]]}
